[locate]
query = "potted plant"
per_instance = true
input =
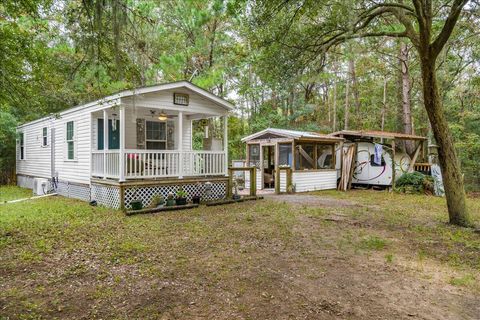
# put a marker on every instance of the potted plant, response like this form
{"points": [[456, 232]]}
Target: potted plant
{"points": [[158, 201], [181, 197], [196, 199], [136, 203], [170, 200]]}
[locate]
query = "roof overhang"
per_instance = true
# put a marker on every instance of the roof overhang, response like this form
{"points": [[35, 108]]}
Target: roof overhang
{"points": [[115, 99], [292, 134], [377, 134]]}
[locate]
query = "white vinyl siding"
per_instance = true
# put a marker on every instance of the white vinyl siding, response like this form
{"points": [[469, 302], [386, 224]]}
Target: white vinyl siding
{"points": [[311, 180], [36, 160]]}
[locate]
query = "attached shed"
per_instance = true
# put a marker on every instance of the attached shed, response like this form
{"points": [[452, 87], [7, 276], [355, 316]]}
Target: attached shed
{"points": [[303, 160]]}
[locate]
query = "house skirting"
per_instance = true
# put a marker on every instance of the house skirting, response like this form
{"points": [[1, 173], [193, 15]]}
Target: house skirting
{"points": [[119, 195]]}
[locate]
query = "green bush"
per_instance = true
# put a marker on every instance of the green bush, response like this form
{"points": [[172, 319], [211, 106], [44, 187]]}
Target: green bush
{"points": [[415, 182]]}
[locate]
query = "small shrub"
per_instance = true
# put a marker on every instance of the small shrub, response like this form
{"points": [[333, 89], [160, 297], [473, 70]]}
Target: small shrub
{"points": [[415, 182]]}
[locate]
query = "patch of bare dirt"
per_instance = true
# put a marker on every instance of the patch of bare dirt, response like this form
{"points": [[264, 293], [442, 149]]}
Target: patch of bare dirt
{"points": [[311, 200]]}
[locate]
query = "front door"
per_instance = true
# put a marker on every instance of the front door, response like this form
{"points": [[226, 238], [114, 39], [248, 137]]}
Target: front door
{"points": [[268, 166], [113, 135]]}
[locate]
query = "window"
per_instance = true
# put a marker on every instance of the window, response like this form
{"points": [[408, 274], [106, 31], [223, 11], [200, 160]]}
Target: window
{"points": [[180, 99], [156, 135], [254, 155], [314, 156], [325, 156], [285, 154], [21, 142], [304, 156], [70, 135], [44, 137], [373, 164]]}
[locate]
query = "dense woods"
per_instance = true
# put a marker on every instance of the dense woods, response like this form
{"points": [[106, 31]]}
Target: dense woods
{"points": [[407, 66]]}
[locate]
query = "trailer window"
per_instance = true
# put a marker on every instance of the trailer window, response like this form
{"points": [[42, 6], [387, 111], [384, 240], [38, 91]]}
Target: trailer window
{"points": [[21, 142], [70, 141], [44, 136], [373, 164]]}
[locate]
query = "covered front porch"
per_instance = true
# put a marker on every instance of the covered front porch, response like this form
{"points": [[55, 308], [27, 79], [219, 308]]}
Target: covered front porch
{"points": [[146, 136]]}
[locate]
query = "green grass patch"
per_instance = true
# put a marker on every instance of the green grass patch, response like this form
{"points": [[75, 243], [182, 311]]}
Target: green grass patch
{"points": [[8, 193]]}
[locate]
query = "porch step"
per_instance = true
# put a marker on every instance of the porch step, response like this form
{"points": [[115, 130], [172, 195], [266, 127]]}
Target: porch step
{"points": [[165, 208]]}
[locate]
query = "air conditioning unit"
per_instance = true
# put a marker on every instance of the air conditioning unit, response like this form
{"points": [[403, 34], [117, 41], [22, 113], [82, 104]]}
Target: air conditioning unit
{"points": [[40, 186]]}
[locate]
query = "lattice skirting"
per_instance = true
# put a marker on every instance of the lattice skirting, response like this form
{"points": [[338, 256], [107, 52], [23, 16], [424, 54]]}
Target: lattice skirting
{"points": [[217, 191], [25, 181], [74, 190], [105, 195]]}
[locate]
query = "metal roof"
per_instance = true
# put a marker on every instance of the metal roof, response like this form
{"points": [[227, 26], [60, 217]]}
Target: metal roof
{"points": [[377, 134], [293, 134]]}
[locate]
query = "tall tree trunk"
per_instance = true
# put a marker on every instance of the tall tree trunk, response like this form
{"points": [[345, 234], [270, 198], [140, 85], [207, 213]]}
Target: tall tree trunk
{"points": [[447, 155], [405, 94], [353, 77], [384, 104], [334, 125], [347, 102]]}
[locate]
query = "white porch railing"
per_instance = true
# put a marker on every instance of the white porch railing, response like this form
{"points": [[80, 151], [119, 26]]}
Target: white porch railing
{"points": [[106, 163], [144, 164]]}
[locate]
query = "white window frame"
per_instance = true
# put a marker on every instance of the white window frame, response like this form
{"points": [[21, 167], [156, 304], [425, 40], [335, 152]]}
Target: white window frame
{"points": [[22, 145], [45, 137], [154, 140], [72, 140]]}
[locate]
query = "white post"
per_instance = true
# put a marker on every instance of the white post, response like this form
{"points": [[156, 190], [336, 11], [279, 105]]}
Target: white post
{"points": [[225, 143], [122, 145], [180, 144], [105, 142]]}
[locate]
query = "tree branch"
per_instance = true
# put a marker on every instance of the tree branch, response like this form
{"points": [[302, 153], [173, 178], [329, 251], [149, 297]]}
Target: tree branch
{"points": [[448, 27]]}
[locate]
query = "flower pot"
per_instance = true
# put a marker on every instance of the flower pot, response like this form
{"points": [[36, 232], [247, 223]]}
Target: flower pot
{"points": [[196, 199], [136, 204], [170, 202], [181, 201]]}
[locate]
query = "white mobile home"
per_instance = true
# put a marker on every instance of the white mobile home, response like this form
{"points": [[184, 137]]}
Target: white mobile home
{"points": [[130, 145], [304, 161]]}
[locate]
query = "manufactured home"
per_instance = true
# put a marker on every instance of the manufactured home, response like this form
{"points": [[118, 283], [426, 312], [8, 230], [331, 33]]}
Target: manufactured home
{"points": [[302, 161], [131, 145]]}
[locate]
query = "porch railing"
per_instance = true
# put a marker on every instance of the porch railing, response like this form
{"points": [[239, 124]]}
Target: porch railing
{"points": [[144, 164]]}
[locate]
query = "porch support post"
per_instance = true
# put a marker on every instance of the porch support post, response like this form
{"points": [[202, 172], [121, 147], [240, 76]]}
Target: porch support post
{"points": [[121, 153], [277, 168], [225, 143], [105, 142], [180, 144]]}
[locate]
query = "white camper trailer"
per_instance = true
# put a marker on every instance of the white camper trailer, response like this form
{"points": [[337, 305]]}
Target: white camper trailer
{"points": [[369, 170]]}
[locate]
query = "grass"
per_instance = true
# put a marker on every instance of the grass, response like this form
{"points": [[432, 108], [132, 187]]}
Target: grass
{"points": [[61, 258], [8, 193]]}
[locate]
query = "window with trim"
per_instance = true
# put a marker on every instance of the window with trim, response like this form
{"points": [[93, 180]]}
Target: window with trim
{"points": [[156, 135], [44, 137], [21, 144], [70, 135], [254, 155]]}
